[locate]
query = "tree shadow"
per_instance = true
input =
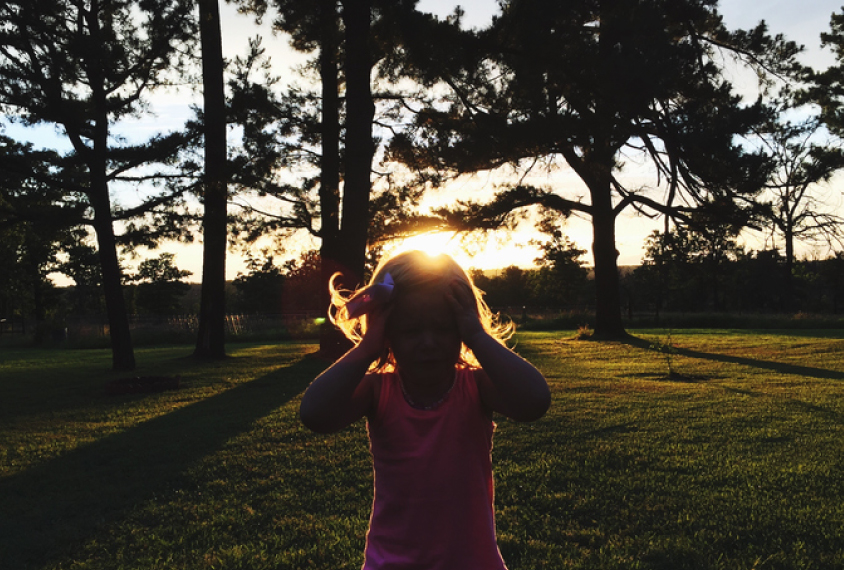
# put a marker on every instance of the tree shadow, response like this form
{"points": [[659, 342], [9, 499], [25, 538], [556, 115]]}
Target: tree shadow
{"points": [[781, 367], [673, 377], [54, 506]]}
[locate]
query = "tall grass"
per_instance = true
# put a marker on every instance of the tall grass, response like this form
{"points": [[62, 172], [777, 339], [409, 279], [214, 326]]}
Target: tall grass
{"points": [[734, 461]]}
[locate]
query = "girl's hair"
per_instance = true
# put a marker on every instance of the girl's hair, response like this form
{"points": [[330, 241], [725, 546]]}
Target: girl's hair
{"points": [[411, 270]]}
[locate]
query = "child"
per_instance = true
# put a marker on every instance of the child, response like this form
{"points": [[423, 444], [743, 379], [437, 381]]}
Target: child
{"points": [[428, 370]]}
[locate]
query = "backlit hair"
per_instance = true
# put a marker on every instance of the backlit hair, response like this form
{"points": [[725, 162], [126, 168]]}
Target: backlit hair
{"points": [[412, 270]]}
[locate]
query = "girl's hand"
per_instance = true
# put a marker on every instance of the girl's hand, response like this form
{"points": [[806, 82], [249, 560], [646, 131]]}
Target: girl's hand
{"points": [[374, 340], [465, 307]]}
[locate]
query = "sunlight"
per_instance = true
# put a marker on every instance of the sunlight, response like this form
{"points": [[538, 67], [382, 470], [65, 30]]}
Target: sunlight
{"points": [[432, 243], [488, 252]]}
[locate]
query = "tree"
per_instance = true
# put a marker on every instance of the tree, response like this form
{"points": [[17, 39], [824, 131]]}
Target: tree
{"points": [[329, 131], [826, 88], [585, 84], [832, 278], [35, 222], [360, 111], [320, 29], [27, 255], [84, 65], [802, 161], [83, 267], [210, 341], [760, 281], [303, 280], [510, 287], [562, 277], [261, 289], [683, 269], [160, 286]]}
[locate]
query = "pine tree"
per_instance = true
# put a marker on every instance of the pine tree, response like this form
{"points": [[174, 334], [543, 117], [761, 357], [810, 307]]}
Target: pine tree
{"points": [[583, 84], [83, 66]]}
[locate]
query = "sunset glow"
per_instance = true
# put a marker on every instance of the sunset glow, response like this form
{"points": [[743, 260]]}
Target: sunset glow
{"points": [[493, 251], [432, 243]]}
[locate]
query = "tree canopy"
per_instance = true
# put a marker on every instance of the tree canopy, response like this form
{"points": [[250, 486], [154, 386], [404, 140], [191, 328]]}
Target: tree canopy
{"points": [[587, 84]]}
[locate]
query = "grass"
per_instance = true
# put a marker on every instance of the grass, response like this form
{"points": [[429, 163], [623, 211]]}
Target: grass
{"points": [[732, 461]]}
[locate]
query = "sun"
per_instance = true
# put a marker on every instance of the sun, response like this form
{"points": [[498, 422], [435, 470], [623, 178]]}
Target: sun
{"points": [[432, 243], [450, 243], [486, 252]]}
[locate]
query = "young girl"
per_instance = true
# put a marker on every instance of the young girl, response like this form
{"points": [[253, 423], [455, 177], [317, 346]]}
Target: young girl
{"points": [[428, 370]]}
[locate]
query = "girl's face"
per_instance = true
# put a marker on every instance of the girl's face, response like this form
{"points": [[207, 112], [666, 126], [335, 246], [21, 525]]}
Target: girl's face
{"points": [[422, 333]]}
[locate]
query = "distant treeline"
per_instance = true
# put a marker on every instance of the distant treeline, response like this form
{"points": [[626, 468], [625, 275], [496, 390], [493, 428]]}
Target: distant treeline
{"points": [[672, 279], [756, 283]]}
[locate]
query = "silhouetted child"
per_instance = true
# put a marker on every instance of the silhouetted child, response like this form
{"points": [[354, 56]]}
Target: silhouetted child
{"points": [[428, 369]]}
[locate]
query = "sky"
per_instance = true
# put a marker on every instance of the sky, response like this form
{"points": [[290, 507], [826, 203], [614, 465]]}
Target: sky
{"points": [[799, 20]]}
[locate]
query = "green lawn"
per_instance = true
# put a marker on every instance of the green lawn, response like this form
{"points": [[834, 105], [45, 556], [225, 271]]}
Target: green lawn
{"points": [[733, 461]]}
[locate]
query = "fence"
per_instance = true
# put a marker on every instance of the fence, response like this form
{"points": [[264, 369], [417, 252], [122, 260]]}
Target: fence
{"points": [[175, 327], [12, 326]]}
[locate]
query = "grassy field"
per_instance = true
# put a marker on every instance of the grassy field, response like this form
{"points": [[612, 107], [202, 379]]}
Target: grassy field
{"points": [[724, 452]]}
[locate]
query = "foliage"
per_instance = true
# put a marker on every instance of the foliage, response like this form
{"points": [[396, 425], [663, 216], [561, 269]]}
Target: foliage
{"points": [[159, 286], [509, 287], [682, 273], [563, 279], [83, 267], [35, 224], [804, 159], [293, 288], [290, 149], [667, 350], [84, 70], [588, 83], [686, 266], [560, 281], [826, 88], [304, 279], [260, 290]]}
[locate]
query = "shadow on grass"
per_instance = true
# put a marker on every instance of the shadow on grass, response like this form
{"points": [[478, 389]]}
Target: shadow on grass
{"points": [[783, 368], [55, 506], [807, 371], [672, 376]]}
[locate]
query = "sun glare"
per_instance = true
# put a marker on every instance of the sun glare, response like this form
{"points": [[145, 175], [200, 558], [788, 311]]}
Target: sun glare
{"points": [[488, 256], [432, 243]]}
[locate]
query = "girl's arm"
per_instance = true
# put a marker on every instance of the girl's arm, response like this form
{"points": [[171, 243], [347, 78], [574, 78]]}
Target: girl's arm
{"points": [[340, 396], [345, 393], [508, 384]]}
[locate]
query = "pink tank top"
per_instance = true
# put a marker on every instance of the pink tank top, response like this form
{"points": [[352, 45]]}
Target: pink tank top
{"points": [[433, 506]]}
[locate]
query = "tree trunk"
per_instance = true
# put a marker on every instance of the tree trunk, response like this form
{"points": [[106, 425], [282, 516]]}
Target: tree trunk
{"points": [[788, 302], [210, 341], [360, 111], [608, 324], [39, 308], [123, 356], [332, 341], [598, 176]]}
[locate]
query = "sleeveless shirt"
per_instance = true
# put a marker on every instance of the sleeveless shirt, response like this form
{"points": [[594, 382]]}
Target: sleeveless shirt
{"points": [[433, 503]]}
